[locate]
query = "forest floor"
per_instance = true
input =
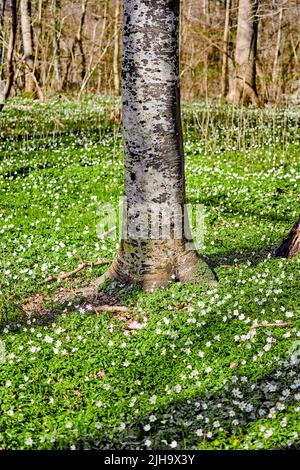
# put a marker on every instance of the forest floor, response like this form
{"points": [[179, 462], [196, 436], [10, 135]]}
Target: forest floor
{"points": [[188, 367]]}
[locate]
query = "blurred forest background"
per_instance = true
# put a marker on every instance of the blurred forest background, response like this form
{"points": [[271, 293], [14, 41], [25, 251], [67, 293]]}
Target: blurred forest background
{"points": [[74, 46]]}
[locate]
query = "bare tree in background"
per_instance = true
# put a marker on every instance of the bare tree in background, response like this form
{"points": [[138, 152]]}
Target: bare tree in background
{"points": [[78, 40], [244, 84], [76, 47], [56, 11], [5, 91], [226, 57], [28, 48], [117, 48], [275, 77], [2, 10]]}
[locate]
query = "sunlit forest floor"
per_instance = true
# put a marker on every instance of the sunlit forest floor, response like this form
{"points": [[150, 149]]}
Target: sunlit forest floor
{"points": [[183, 368]]}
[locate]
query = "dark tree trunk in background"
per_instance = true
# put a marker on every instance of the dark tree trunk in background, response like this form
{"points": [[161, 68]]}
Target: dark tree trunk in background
{"points": [[6, 88], [155, 249], [80, 38], [244, 84], [291, 245]]}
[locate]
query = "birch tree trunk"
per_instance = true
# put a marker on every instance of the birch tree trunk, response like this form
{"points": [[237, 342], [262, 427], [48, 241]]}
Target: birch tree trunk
{"points": [[6, 88], [27, 40], [156, 246], [244, 84]]}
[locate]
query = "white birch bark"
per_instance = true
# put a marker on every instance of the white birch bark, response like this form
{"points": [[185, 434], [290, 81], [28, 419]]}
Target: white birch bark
{"points": [[154, 250]]}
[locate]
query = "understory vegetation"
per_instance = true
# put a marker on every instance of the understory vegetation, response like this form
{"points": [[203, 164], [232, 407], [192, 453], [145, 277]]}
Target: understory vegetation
{"points": [[188, 367]]}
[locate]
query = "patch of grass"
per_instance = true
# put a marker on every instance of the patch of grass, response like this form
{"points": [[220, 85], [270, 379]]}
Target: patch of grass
{"points": [[195, 375]]}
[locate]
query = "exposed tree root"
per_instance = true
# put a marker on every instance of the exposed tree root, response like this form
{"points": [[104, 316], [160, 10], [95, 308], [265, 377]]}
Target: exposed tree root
{"points": [[61, 276], [110, 308], [86, 298], [271, 325]]}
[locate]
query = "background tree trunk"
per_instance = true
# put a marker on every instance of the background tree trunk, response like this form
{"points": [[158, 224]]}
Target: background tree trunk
{"points": [[5, 91], [291, 245], [225, 83], [2, 10], [27, 40], [56, 8], [244, 84], [154, 248], [275, 76], [78, 39], [117, 49]]}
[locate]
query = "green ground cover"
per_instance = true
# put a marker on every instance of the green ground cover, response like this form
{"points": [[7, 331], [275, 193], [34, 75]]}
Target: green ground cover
{"points": [[195, 374]]}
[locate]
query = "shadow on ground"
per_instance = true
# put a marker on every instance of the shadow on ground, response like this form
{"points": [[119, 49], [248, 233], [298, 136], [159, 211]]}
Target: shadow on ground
{"points": [[239, 403], [240, 257]]}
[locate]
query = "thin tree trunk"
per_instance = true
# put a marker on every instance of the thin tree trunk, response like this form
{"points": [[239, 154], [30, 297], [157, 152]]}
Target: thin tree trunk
{"points": [[276, 58], [291, 245], [156, 245], [225, 68], [117, 49], [27, 40], [5, 91], [101, 39], [77, 40], [2, 10], [56, 43], [244, 84]]}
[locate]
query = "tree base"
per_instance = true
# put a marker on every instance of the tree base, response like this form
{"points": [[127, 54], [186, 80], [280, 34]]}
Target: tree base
{"points": [[290, 247], [243, 94], [188, 267]]}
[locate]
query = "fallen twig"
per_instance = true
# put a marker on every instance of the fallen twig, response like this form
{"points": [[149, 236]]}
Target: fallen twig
{"points": [[230, 266], [110, 308], [278, 325], [61, 276]]}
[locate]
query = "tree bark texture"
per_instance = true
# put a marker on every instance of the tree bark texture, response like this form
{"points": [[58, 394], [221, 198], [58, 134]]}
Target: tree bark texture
{"points": [[225, 82], [116, 49], [27, 40], [2, 10], [56, 8], [276, 68], [5, 89], [77, 41], [291, 245], [156, 247], [244, 84]]}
